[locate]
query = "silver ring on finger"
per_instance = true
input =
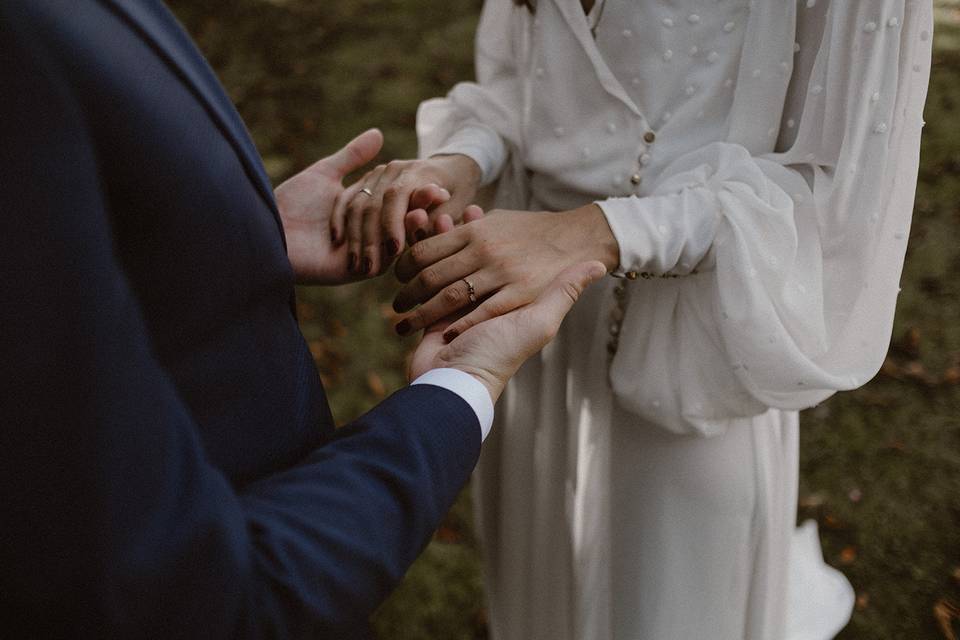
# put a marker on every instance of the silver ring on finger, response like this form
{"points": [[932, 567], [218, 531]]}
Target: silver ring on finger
{"points": [[366, 191], [471, 292]]}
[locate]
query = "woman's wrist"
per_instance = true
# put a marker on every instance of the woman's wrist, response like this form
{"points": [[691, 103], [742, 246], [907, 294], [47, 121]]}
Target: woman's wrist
{"points": [[593, 239], [461, 166]]}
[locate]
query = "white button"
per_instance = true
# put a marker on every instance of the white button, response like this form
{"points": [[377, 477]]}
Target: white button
{"points": [[693, 18], [756, 73], [729, 27], [796, 47], [791, 123], [667, 55], [627, 33], [644, 158], [875, 97], [668, 22], [817, 89], [713, 57], [694, 50], [690, 90], [880, 127], [870, 27], [893, 22], [611, 127]]}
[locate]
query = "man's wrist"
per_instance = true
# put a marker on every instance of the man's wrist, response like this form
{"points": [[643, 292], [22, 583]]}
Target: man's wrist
{"points": [[473, 389]]}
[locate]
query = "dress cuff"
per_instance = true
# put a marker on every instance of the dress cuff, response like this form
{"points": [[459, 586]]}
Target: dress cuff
{"points": [[483, 145], [467, 387], [661, 236]]}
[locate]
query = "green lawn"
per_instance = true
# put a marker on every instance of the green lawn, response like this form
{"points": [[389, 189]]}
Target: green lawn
{"points": [[880, 466]]}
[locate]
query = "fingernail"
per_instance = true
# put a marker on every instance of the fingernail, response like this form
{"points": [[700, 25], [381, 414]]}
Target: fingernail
{"points": [[450, 335], [334, 236], [403, 328], [352, 262], [393, 247], [420, 234], [367, 266]]}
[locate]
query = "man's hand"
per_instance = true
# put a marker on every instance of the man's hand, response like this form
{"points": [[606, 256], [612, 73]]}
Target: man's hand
{"points": [[307, 201], [493, 350]]}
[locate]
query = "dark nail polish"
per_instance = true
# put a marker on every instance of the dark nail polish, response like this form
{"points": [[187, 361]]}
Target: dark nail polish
{"points": [[351, 262], [393, 248], [403, 328], [334, 236], [420, 234], [450, 335], [367, 266]]}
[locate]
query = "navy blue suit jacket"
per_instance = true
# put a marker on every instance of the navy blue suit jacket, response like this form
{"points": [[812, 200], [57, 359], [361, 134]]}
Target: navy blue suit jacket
{"points": [[168, 461]]}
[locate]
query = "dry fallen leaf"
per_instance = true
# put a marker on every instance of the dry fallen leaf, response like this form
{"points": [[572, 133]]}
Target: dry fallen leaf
{"points": [[317, 349], [812, 501], [375, 383], [945, 612], [848, 556]]}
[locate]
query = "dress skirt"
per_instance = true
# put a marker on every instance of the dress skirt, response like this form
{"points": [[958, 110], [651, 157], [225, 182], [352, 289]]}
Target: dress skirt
{"points": [[598, 526]]}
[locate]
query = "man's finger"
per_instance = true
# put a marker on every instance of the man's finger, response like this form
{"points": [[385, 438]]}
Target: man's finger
{"points": [[354, 154], [553, 304], [472, 214]]}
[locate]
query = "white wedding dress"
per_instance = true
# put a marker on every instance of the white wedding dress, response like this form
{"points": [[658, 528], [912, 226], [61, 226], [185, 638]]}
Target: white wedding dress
{"points": [[757, 164]]}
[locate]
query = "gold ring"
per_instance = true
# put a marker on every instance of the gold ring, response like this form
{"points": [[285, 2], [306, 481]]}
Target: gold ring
{"points": [[367, 191], [470, 290]]}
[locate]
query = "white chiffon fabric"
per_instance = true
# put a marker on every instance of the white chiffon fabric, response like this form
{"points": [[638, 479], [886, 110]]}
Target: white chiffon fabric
{"points": [[764, 156]]}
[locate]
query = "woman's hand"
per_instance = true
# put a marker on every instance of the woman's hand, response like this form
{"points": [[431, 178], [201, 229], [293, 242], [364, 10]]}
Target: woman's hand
{"points": [[371, 215], [508, 258], [493, 351]]}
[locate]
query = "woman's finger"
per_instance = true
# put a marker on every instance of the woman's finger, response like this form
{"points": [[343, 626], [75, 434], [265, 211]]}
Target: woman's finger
{"points": [[428, 196], [432, 250], [396, 202], [338, 219], [433, 279], [416, 221], [501, 303], [451, 299], [366, 197]]}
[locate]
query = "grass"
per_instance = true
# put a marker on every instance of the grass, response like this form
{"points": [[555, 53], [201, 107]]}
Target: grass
{"points": [[880, 466]]}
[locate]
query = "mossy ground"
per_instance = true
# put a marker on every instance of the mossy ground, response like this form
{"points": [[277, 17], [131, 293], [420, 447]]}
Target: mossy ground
{"points": [[880, 466]]}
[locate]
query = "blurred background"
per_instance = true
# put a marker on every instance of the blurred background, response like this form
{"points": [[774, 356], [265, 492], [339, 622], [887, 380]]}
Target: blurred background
{"points": [[880, 466]]}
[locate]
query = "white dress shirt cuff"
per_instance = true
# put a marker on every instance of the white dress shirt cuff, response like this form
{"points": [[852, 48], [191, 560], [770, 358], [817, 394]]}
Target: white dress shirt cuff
{"points": [[483, 145], [467, 387]]}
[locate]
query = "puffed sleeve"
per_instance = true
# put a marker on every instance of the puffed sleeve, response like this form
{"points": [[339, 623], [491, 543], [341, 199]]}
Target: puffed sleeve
{"points": [[797, 253], [482, 119]]}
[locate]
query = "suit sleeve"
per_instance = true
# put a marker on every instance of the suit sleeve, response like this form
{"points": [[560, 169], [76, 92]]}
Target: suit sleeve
{"points": [[114, 522]]}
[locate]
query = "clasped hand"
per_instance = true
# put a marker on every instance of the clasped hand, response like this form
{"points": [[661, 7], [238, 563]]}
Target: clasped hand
{"points": [[529, 297]]}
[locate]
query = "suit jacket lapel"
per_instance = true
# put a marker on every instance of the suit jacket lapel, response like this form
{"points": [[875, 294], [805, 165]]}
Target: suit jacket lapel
{"points": [[155, 24]]}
